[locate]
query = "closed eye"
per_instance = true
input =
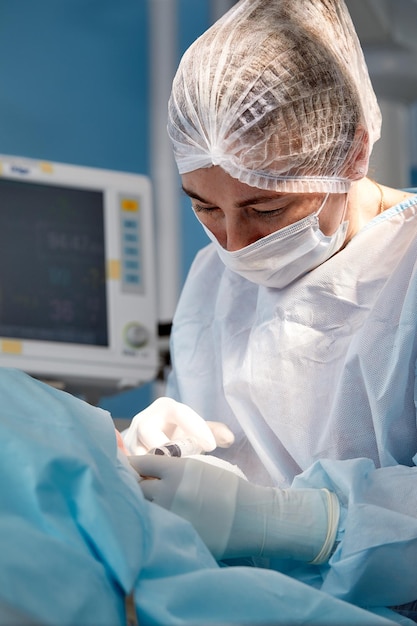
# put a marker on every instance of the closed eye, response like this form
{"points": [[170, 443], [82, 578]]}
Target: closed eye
{"points": [[271, 213], [199, 208]]}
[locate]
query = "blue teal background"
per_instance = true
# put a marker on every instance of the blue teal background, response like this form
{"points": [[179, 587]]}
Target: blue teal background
{"points": [[74, 88]]}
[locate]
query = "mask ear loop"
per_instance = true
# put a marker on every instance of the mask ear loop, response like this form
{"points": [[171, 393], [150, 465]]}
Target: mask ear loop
{"points": [[344, 209], [317, 213], [321, 207]]}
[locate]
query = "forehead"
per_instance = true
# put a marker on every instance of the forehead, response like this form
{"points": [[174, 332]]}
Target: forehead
{"points": [[209, 183]]}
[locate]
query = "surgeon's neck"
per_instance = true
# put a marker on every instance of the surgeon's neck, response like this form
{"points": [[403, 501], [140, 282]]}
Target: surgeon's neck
{"points": [[365, 201]]}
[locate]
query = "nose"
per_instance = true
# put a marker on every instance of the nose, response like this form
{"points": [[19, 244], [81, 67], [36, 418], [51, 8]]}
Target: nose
{"points": [[237, 235]]}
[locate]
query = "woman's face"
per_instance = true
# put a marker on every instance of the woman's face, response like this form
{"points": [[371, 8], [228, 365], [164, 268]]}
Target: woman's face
{"points": [[238, 214]]}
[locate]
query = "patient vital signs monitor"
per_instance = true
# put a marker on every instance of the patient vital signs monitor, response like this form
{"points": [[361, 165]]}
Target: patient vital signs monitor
{"points": [[77, 283]]}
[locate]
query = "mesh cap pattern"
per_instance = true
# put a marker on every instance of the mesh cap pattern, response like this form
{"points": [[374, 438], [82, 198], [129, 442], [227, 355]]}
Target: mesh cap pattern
{"points": [[278, 94]]}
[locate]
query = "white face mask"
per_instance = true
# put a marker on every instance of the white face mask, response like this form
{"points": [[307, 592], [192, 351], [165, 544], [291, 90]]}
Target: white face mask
{"points": [[283, 256]]}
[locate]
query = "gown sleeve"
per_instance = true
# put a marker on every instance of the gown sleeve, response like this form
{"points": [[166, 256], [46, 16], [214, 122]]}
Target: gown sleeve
{"points": [[376, 555]]}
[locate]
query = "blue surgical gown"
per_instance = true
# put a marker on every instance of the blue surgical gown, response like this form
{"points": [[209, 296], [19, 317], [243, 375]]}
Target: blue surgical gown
{"points": [[76, 535]]}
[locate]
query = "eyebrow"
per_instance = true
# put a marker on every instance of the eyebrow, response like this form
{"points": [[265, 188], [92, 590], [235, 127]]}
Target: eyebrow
{"points": [[238, 205]]}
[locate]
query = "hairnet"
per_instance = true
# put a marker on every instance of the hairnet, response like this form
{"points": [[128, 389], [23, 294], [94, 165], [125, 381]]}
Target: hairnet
{"points": [[278, 94]]}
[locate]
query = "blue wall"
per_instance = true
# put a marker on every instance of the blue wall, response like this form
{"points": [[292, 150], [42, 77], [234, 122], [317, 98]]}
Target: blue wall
{"points": [[189, 29], [74, 77]]}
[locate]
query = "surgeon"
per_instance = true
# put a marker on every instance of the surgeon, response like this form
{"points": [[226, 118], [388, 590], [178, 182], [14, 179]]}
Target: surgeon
{"points": [[297, 324]]}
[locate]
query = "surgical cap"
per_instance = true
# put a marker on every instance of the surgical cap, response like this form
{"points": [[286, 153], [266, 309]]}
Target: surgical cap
{"points": [[277, 93]]}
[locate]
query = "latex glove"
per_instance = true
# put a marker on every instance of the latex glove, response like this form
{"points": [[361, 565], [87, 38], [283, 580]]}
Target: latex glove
{"points": [[236, 518], [166, 420]]}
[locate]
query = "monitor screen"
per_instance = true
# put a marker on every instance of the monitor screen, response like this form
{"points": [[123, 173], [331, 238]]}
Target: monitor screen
{"points": [[77, 274], [52, 264]]}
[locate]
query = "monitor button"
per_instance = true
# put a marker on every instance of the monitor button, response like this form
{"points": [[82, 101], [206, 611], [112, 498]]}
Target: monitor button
{"points": [[136, 335]]}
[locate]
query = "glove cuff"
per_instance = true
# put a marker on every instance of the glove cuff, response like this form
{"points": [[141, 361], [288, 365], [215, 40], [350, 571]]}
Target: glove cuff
{"points": [[333, 515], [299, 524]]}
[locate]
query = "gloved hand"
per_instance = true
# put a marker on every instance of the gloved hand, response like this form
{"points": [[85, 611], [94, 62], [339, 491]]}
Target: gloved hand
{"points": [[236, 518], [166, 420]]}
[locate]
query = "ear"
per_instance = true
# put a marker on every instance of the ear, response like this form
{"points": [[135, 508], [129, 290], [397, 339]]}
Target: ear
{"points": [[357, 161]]}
